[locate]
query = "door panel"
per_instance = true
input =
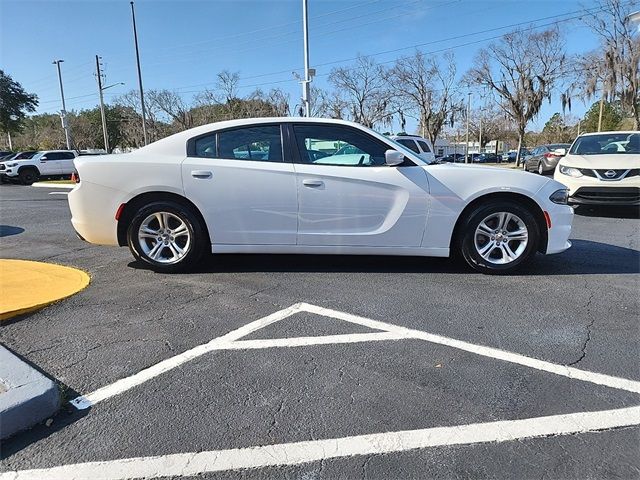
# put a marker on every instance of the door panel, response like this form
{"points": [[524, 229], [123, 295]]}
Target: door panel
{"points": [[50, 165], [349, 196], [375, 206], [249, 197], [66, 163]]}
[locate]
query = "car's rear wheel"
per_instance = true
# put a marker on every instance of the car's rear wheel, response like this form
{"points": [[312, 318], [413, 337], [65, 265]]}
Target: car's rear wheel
{"points": [[540, 168], [498, 237], [28, 176], [166, 235]]}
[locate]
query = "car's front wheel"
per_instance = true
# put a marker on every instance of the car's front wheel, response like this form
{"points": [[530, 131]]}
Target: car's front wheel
{"points": [[166, 235], [498, 237], [28, 176]]}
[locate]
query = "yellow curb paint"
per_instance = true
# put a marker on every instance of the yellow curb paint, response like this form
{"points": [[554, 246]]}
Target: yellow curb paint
{"points": [[26, 286]]}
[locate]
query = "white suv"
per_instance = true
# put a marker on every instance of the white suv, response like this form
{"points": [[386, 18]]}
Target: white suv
{"points": [[602, 168], [48, 163], [420, 145]]}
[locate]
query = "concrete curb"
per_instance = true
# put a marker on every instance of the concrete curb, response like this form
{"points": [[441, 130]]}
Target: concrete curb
{"points": [[53, 185], [26, 396]]}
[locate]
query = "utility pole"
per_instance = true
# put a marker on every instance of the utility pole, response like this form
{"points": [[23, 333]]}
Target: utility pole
{"points": [[63, 112], [306, 93], [480, 135], [466, 149], [144, 111], [601, 108], [102, 115]]}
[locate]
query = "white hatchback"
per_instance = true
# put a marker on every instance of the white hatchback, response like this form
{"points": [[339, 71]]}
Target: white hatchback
{"points": [[309, 185]]}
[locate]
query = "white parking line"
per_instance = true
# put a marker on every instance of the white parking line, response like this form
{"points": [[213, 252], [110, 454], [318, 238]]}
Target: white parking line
{"points": [[195, 463], [386, 331]]}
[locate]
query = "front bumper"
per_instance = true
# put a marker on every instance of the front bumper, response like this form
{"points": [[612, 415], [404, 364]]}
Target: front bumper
{"points": [[593, 191]]}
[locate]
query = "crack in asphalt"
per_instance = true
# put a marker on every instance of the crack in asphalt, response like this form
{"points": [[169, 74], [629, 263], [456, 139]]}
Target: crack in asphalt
{"points": [[588, 337]]}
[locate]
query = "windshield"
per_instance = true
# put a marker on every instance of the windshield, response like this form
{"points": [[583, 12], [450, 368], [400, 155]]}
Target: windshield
{"points": [[607, 144]]}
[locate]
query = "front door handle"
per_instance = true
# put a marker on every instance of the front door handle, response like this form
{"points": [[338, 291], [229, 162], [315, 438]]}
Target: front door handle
{"points": [[312, 183], [201, 174]]}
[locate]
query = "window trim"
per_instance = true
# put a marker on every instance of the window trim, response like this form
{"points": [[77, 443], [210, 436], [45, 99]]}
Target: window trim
{"points": [[297, 159]]}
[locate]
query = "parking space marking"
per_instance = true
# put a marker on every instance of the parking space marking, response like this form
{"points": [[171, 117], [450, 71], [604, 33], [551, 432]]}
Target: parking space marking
{"points": [[386, 331], [195, 463]]}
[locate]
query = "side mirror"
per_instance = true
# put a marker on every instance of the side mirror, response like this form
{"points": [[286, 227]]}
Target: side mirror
{"points": [[560, 151], [393, 157]]}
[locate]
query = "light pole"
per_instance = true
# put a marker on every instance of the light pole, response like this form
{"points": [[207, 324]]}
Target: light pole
{"points": [[63, 112], [306, 94], [466, 149], [144, 111], [102, 113]]}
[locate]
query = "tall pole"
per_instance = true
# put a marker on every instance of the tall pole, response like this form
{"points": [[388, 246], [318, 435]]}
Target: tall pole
{"points": [[102, 115], [601, 108], [466, 149], [63, 112], [144, 111], [306, 100], [480, 135]]}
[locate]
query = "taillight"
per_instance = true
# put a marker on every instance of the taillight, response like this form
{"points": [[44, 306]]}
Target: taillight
{"points": [[550, 154], [75, 177]]}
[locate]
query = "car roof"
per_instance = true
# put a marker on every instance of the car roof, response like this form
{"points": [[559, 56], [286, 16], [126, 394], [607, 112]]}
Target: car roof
{"points": [[623, 132], [175, 144]]}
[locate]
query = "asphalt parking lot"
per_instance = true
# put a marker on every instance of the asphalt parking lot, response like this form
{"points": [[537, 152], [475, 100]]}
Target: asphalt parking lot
{"points": [[401, 348]]}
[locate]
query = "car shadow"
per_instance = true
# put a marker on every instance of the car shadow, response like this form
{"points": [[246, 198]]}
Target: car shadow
{"points": [[8, 230], [608, 211], [584, 258]]}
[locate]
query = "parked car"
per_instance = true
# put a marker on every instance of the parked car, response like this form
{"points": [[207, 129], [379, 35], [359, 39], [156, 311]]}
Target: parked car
{"points": [[602, 168], [486, 158], [511, 156], [419, 145], [453, 158], [45, 164], [170, 208], [543, 159]]}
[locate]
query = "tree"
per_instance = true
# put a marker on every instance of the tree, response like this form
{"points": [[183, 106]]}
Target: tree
{"points": [[611, 118], [15, 103], [522, 69], [366, 91], [173, 106], [613, 70], [556, 130], [426, 90], [87, 127]]}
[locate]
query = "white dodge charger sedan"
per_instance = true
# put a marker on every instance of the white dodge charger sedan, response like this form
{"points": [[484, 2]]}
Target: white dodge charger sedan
{"points": [[311, 186]]}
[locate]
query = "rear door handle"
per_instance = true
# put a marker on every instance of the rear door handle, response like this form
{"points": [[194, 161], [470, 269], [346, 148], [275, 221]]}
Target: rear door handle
{"points": [[201, 174], [312, 183]]}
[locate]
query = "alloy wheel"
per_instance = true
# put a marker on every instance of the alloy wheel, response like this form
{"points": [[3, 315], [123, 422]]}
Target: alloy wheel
{"points": [[501, 238], [164, 237]]}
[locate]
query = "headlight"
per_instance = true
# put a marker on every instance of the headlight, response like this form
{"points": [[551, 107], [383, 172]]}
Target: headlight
{"points": [[572, 172], [560, 196]]}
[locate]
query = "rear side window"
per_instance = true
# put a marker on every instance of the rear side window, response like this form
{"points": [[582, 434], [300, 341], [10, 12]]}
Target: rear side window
{"points": [[259, 143], [424, 146], [409, 144]]}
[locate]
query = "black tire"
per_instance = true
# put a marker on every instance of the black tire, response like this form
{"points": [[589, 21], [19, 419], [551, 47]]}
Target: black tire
{"points": [[466, 237], [198, 240], [28, 176]]}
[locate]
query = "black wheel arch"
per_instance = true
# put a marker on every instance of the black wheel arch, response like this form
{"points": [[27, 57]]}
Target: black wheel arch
{"points": [[519, 198], [29, 167], [133, 205]]}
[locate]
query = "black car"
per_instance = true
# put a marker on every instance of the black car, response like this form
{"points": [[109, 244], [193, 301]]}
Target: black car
{"points": [[453, 158], [486, 158]]}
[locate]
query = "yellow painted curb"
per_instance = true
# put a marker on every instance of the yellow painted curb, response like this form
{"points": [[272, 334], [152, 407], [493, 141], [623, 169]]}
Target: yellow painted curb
{"points": [[26, 286]]}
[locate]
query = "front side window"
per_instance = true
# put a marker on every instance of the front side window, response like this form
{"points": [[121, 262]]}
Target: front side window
{"points": [[256, 143], [607, 143], [338, 145]]}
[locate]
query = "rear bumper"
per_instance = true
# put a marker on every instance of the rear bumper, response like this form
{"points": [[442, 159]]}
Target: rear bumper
{"points": [[93, 210]]}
